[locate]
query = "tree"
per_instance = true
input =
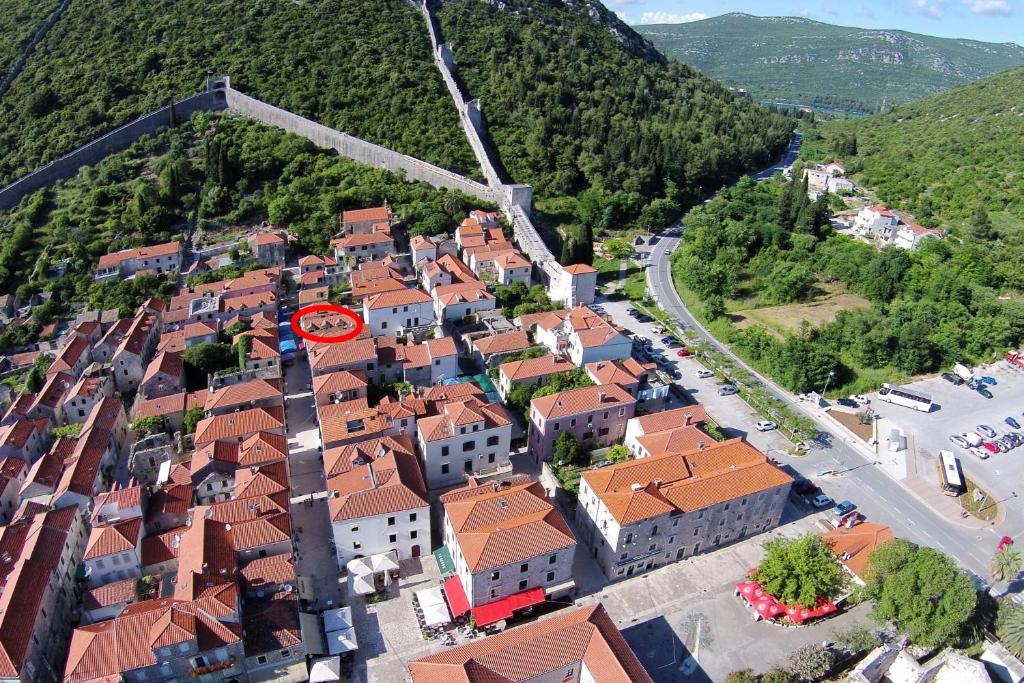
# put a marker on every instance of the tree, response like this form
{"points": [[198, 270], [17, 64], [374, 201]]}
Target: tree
{"points": [[1010, 626], [34, 380], [777, 675], [981, 225], [856, 639], [921, 591], [742, 676], [618, 248], [1006, 564], [453, 204], [206, 359], [800, 571], [567, 451], [576, 378], [191, 419], [810, 662], [618, 453], [148, 425], [71, 430]]}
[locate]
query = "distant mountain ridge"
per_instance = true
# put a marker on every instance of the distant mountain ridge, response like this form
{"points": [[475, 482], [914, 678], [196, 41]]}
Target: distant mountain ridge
{"points": [[803, 61]]}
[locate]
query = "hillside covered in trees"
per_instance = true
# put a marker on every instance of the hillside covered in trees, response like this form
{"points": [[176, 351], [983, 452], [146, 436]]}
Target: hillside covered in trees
{"points": [[19, 21], [759, 244], [948, 159], [215, 170], [357, 66], [802, 61], [575, 100]]}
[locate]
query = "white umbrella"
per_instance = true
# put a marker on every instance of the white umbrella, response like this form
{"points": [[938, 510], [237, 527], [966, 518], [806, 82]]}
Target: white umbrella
{"points": [[325, 669], [342, 641], [361, 584], [383, 562], [360, 566]]}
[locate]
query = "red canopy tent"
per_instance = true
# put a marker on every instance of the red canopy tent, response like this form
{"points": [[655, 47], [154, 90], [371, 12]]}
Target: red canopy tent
{"points": [[769, 607], [456, 594], [503, 609]]}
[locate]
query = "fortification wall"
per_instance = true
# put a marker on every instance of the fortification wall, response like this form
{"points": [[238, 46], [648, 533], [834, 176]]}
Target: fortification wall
{"points": [[115, 141], [354, 148]]}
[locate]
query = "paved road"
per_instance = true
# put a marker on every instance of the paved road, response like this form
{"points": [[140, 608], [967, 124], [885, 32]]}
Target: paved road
{"points": [[882, 498], [785, 162]]}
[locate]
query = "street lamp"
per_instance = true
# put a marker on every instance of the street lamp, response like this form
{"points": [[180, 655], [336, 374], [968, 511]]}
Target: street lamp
{"points": [[831, 374]]}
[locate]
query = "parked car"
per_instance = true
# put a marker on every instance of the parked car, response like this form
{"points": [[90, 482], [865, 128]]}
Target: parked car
{"points": [[670, 341], [971, 438], [1004, 445], [683, 352], [766, 426], [847, 403], [805, 487], [990, 446], [959, 441], [1012, 422], [658, 329], [644, 318], [861, 399], [984, 392], [952, 378], [991, 381], [1016, 437], [727, 390], [704, 374], [843, 508], [980, 452], [821, 501], [849, 520], [987, 431]]}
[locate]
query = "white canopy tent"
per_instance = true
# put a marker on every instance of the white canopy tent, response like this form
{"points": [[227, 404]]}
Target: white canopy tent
{"points": [[361, 584], [339, 631], [325, 669], [435, 610]]}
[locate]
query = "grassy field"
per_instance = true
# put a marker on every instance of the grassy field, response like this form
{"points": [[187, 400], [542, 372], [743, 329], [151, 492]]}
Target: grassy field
{"points": [[787, 318], [986, 509]]}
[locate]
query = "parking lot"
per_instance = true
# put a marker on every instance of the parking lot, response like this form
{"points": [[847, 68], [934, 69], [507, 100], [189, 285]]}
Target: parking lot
{"points": [[959, 409]]}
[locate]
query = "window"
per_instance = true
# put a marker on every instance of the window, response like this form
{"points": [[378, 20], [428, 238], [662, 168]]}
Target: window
{"points": [[696, 532], [261, 659], [490, 458], [444, 468], [495, 576], [356, 545], [605, 415], [572, 422], [355, 529], [551, 577], [414, 534], [391, 521], [654, 530], [522, 584], [652, 547], [603, 431], [384, 325], [556, 426], [444, 451], [525, 567], [726, 506], [629, 537], [743, 502], [671, 540], [392, 538], [412, 516], [285, 653], [469, 446], [553, 559], [700, 514]]}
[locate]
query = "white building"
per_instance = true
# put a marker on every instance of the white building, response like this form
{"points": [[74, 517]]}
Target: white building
{"points": [[394, 312], [583, 336], [423, 248], [468, 437], [114, 552], [378, 499], [642, 514], [910, 235], [455, 301], [575, 285], [505, 539], [877, 220], [511, 267]]}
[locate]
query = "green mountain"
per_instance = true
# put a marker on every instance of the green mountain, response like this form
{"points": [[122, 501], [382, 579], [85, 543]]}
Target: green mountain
{"points": [[796, 60], [945, 158], [575, 99], [19, 20]]}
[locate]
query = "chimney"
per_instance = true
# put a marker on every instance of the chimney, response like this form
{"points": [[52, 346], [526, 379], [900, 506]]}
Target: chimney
{"points": [[635, 487], [700, 445]]}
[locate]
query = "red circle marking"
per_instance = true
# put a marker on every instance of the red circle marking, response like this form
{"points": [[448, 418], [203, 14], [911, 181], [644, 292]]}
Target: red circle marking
{"points": [[326, 308]]}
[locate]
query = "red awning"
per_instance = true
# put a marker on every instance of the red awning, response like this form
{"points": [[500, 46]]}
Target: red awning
{"points": [[502, 609], [456, 594]]}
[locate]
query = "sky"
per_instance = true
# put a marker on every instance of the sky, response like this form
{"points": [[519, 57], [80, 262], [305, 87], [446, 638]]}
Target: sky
{"points": [[997, 21]]}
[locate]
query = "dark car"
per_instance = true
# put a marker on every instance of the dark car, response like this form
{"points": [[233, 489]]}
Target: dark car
{"points": [[671, 342], [644, 318], [847, 402], [805, 487], [952, 378], [984, 392]]}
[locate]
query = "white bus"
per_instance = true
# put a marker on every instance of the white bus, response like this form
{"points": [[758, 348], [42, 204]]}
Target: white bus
{"points": [[905, 397], [951, 478]]}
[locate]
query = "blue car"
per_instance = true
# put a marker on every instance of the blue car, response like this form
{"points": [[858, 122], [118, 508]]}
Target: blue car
{"points": [[843, 508], [984, 392], [1013, 423], [991, 381]]}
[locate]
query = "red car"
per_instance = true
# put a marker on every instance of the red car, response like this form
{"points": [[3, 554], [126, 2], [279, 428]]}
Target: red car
{"points": [[990, 447], [683, 352], [1005, 543]]}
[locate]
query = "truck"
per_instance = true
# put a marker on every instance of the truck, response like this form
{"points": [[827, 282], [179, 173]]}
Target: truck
{"points": [[1015, 358], [973, 439], [965, 372]]}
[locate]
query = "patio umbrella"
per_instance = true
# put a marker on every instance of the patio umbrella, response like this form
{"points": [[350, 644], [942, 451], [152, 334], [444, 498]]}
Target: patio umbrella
{"points": [[360, 566], [382, 562], [361, 584]]}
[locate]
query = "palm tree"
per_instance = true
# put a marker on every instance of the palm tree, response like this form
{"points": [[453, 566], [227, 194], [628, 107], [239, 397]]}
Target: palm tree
{"points": [[1006, 565], [453, 204], [1010, 627]]}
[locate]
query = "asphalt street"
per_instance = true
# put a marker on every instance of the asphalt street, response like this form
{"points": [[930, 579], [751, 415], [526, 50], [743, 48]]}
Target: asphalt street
{"points": [[881, 498]]}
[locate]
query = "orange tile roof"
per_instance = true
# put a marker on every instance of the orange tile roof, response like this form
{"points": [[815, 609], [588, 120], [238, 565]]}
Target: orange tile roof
{"points": [[582, 400], [691, 480], [268, 571], [118, 257], [671, 419], [271, 624], [350, 420], [343, 458], [241, 424], [506, 342], [363, 239], [577, 637], [114, 538], [172, 342], [165, 405], [265, 238], [342, 380], [390, 481], [162, 547], [675, 440], [421, 242], [376, 214], [313, 294], [501, 523], [54, 390], [172, 499], [353, 354], [69, 355], [611, 372], [579, 269], [200, 329], [532, 368], [857, 544], [462, 292], [401, 297], [511, 259], [461, 413], [455, 267], [87, 387], [243, 393], [110, 594], [169, 364]]}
